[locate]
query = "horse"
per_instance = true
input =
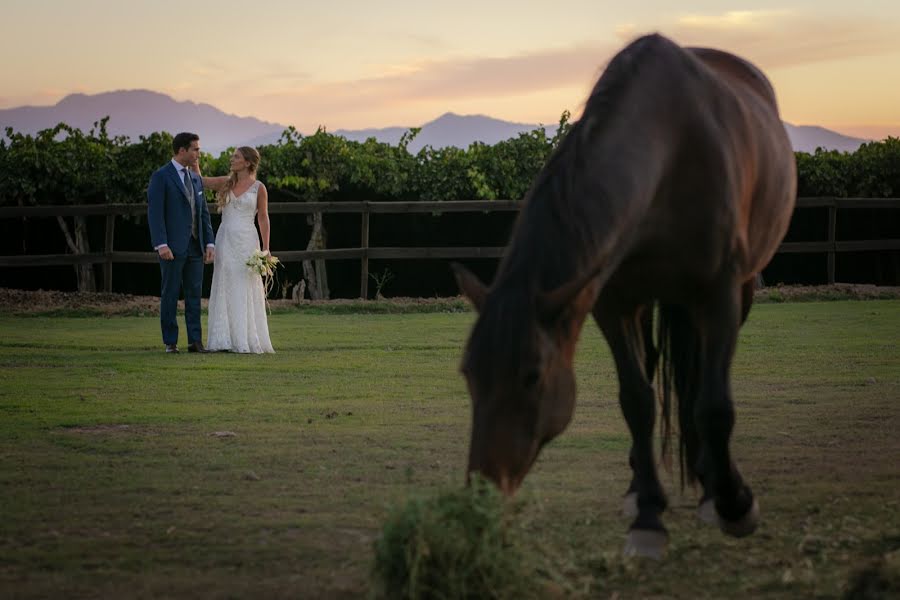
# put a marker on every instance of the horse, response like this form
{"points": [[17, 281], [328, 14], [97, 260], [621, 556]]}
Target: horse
{"points": [[667, 197]]}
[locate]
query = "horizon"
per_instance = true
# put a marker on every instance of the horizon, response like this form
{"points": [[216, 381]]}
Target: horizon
{"points": [[399, 125], [829, 64]]}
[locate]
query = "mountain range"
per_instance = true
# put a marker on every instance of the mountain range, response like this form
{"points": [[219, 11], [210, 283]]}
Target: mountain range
{"points": [[139, 112]]}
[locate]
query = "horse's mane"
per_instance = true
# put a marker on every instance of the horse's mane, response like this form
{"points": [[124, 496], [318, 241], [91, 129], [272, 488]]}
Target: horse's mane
{"points": [[550, 227], [501, 337], [604, 100], [554, 184]]}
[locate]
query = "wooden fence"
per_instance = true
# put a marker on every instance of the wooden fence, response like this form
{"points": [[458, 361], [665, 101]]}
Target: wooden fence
{"points": [[365, 252]]}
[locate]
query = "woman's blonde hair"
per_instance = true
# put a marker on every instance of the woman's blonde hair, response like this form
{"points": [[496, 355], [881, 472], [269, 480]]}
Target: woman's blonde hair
{"points": [[251, 155]]}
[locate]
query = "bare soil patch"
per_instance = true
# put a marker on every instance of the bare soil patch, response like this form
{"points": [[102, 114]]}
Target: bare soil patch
{"points": [[108, 429], [49, 302], [44, 302], [836, 291]]}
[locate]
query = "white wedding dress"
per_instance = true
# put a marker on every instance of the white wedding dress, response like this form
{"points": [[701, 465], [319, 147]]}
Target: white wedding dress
{"points": [[237, 300]]}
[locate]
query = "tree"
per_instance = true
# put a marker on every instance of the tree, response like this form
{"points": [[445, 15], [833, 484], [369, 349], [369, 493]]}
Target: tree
{"points": [[63, 165], [320, 167]]}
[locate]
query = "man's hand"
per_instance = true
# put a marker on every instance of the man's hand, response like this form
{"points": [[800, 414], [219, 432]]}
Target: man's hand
{"points": [[165, 253], [210, 255]]}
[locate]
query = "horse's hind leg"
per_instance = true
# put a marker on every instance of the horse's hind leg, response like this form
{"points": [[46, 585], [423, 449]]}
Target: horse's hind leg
{"points": [[714, 414], [651, 360], [690, 440], [747, 290], [624, 332]]}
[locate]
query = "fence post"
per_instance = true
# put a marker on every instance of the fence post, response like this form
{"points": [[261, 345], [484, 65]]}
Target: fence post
{"points": [[108, 250], [832, 240], [364, 261]]}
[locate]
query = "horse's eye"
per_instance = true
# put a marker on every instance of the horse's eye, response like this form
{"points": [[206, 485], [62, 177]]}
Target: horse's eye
{"points": [[531, 378]]}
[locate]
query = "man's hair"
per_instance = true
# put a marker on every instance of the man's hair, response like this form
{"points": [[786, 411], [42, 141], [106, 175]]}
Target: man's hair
{"points": [[183, 140]]}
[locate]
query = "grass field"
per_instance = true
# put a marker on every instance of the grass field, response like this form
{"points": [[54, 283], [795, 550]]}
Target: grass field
{"points": [[128, 473]]}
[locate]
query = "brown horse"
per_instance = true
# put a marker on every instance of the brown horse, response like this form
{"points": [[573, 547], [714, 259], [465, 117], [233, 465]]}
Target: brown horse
{"points": [[672, 192]]}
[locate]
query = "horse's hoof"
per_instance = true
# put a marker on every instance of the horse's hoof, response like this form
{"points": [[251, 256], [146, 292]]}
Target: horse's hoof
{"points": [[706, 512], [646, 543], [743, 526], [629, 505]]}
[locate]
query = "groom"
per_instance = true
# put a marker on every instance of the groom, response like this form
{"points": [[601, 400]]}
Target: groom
{"points": [[182, 235]]}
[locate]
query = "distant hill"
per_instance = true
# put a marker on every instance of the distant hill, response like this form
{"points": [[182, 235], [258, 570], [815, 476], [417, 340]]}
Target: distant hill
{"points": [[806, 138], [449, 130], [461, 130], [139, 112]]}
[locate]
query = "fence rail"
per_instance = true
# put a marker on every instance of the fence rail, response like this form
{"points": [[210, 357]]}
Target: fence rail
{"points": [[365, 252]]}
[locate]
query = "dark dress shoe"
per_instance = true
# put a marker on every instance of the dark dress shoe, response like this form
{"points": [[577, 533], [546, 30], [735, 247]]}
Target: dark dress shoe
{"points": [[197, 347], [171, 349]]}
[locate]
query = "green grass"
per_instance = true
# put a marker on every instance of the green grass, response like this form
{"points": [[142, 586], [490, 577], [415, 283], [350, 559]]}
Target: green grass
{"points": [[113, 484]]}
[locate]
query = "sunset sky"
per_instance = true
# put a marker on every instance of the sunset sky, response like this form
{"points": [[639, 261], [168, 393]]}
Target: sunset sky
{"points": [[355, 64]]}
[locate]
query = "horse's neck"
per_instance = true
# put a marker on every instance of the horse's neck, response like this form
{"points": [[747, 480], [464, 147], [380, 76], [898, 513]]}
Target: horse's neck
{"points": [[578, 218], [588, 207]]}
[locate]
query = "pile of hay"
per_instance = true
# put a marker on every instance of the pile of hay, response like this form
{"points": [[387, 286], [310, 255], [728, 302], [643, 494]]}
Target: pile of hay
{"points": [[458, 544]]}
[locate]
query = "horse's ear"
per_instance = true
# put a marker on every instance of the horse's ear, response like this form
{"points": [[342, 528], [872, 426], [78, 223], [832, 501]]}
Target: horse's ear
{"points": [[470, 286], [580, 293]]}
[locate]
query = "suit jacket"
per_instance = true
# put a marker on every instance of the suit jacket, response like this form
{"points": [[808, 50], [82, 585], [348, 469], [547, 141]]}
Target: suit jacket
{"points": [[169, 211]]}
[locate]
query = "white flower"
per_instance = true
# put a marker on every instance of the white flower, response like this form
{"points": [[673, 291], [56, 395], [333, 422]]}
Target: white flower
{"points": [[263, 263]]}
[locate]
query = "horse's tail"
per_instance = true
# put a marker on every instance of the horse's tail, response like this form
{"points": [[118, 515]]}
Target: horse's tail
{"points": [[677, 384]]}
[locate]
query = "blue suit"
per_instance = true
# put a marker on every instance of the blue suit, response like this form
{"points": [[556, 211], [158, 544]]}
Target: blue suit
{"points": [[169, 218]]}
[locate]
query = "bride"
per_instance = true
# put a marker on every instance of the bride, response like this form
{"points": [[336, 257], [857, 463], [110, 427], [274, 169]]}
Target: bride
{"points": [[237, 300]]}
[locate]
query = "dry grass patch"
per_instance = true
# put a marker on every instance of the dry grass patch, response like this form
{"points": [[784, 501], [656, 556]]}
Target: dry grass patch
{"points": [[54, 303]]}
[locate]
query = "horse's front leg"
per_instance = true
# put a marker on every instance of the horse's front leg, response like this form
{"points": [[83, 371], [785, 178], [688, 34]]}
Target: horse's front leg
{"points": [[624, 332]]}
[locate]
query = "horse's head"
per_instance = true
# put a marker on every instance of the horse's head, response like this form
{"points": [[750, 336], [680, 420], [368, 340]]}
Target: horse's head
{"points": [[518, 366]]}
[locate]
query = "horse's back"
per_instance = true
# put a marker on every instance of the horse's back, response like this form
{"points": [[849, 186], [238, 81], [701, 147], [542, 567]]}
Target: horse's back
{"points": [[727, 192], [734, 67], [768, 159]]}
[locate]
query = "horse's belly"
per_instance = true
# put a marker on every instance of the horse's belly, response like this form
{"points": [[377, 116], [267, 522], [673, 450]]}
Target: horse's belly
{"points": [[675, 272]]}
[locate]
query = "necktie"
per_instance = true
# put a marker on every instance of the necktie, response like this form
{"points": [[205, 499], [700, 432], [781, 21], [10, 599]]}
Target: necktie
{"points": [[189, 187]]}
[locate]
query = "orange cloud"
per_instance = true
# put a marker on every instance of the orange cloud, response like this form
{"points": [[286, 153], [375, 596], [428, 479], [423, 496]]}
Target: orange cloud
{"points": [[783, 38], [772, 39], [476, 77], [434, 86]]}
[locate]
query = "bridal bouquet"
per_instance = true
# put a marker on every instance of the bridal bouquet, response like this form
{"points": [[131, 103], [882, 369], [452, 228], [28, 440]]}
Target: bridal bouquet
{"points": [[264, 264]]}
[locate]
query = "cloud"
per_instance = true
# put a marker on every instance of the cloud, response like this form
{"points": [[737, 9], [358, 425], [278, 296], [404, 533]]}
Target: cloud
{"points": [[460, 79], [736, 19], [272, 74], [788, 38], [772, 39]]}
